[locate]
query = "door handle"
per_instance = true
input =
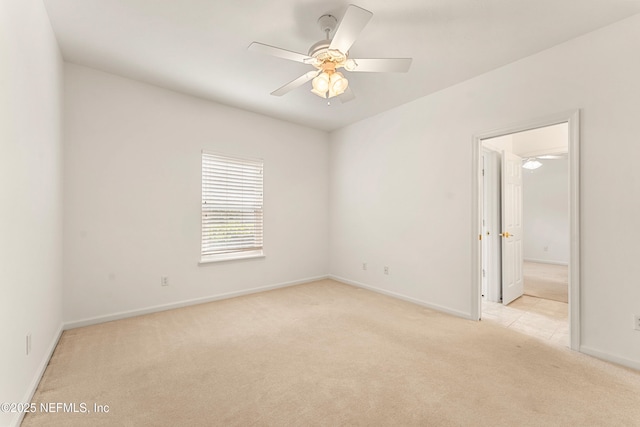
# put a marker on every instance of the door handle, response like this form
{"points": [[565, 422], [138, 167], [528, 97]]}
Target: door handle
{"points": [[506, 234]]}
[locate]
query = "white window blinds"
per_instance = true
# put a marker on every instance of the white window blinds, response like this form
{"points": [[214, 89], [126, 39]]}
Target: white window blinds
{"points": [[231, 206]]}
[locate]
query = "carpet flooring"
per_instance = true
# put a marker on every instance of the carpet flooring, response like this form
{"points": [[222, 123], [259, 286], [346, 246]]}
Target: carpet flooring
{"points": [[548, 281], [325, 354]]}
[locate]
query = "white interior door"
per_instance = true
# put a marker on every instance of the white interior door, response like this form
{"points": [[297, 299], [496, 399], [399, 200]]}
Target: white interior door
{"points": [[491, 226], [512, 281]]}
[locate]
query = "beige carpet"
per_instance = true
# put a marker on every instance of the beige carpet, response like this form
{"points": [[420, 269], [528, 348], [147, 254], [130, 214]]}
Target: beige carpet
{"points": [[326, 354], [548, 281]]}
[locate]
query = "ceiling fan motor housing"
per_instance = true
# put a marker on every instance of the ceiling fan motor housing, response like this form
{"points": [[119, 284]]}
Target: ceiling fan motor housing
{"points": [[318, 48]]}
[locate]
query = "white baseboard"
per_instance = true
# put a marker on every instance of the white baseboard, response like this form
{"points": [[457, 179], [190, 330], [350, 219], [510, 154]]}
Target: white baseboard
{"points": [[436, 307], [633, 364], [546, 261], [154, 309], [38, 376]]}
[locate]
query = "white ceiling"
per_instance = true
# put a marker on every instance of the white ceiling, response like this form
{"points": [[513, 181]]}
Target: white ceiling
{"points": [[199, 47]]}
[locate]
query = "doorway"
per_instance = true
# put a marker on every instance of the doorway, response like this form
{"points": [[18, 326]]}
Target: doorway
{"points": [[559, 246]]}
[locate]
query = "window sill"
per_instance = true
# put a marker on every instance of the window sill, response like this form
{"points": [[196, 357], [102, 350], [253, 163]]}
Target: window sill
{"points": [[232, 257]]}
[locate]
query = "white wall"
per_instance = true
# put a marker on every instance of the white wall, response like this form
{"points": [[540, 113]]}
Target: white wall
{"points": [[401, 184], [546, 212], [31, 197], [132, 196]]}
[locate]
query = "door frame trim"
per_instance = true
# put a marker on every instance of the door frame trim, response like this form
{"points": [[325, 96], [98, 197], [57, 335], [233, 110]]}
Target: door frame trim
{"points": [[572, 118]]}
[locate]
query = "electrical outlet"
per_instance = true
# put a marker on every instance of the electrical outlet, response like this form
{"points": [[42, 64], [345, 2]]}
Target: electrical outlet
{"points": [[28, 344], [164, 280], [636, 322], [364, 265], [386, 270]]}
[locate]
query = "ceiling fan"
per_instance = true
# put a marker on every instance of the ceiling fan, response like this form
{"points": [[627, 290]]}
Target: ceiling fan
{"points": [[533, 163], [331, 54]]}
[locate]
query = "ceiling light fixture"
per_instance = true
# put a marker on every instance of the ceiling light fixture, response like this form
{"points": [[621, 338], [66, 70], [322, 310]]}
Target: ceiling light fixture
{"points": [[531, 164], [329, 82]]}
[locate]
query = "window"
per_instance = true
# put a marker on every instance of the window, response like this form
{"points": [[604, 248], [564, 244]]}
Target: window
{"points": [[231, 208]]}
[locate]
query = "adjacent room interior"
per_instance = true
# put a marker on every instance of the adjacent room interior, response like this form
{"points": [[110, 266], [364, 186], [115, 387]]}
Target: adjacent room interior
{"points": [[342, 281], [540, 306]]}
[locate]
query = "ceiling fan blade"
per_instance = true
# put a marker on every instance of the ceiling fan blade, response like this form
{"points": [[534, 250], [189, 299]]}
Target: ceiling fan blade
{"points": [[295, 83], [383, 65], [353, 22], [347, 96], [280, 53]]}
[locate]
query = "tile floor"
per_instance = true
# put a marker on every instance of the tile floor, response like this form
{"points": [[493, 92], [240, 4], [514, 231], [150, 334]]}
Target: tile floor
{"points": [[533, 316]]}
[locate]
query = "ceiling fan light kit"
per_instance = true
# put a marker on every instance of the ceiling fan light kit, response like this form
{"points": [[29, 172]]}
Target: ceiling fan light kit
{"points": [[331, 54], [320, 84], [329, 82]]}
